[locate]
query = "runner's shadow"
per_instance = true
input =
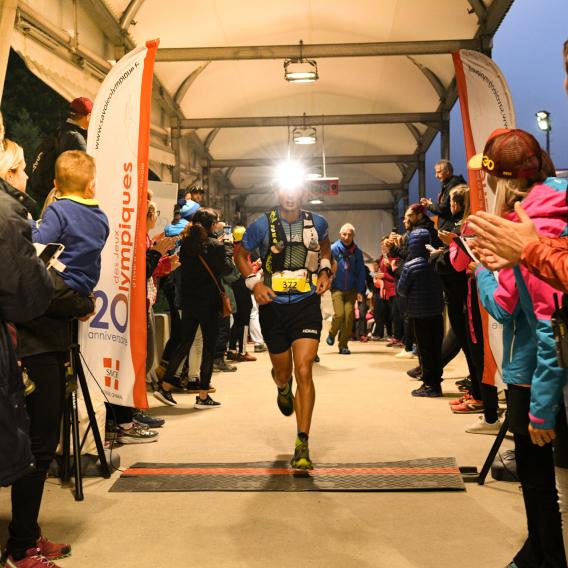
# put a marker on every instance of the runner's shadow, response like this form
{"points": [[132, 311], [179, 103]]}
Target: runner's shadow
{"points": [[290, 481]]}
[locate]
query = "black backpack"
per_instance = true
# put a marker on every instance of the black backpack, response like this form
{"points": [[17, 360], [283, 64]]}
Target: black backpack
{"points": [[43, 168]]}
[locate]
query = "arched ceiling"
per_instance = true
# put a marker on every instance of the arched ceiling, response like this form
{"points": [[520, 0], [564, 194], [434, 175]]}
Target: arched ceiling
{"points": [[213, 88]]}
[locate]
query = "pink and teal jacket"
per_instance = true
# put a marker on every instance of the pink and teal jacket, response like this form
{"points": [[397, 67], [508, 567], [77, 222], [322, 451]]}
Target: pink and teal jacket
{"points": [[524, 304]]}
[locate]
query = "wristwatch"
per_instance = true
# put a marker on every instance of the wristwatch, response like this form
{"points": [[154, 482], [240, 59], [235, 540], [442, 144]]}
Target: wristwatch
{"points": [[325, 269]]}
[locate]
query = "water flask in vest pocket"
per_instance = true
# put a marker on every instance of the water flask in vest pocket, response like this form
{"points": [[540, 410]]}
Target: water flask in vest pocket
{"points": [[312, 261]]}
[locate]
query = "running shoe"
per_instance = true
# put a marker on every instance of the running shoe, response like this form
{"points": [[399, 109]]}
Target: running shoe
{"points": [[259, 348], [344, 351], [427, 391], [53, 550], [165, 396], [317, 359], [206, 404], [481, 426], [415, 373], [405, 355], [142, 417], [301, 459], [136, 434], [33, 559], [285, 397], [330, 340], [363, 339], [469, 406], [457, 401], [242, 357], [221, 365]]}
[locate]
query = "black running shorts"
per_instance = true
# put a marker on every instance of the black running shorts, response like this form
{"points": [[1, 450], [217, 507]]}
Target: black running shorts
{"points": [[282, 324]]}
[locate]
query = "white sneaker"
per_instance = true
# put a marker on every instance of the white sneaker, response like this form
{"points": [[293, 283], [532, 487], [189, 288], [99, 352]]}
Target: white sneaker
{"points": [[480, 426], [405, 355]]}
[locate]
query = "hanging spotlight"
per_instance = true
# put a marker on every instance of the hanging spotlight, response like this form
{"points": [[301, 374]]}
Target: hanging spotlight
{"points": [[303, 135], [300, 70]]}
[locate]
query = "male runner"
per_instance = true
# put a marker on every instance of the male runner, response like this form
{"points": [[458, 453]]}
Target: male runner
{"points": [[295, 251]]}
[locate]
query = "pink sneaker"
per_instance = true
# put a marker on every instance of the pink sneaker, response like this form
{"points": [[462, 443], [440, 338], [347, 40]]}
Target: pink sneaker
{"points": [[33, 559], [53, 550]]}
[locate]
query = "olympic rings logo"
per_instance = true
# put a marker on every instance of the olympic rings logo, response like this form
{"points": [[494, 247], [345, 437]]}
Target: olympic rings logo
{"points": [[488, 163]]}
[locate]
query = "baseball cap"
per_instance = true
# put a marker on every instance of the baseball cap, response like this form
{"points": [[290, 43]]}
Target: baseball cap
{"points": [[81, 106], [509, 153]]}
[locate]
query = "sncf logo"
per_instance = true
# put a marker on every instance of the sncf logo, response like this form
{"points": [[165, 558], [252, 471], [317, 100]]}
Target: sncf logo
{"points": [[111, 375]]}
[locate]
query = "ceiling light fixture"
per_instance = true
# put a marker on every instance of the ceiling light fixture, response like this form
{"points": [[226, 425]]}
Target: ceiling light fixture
{"points": [[316, 201], [300, 70], [304, 134]]}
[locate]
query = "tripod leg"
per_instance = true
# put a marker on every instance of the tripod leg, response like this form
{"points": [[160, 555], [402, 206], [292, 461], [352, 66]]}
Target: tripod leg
{"points": [[493, 451], [91, 413], [79, 496], [66, 442]]}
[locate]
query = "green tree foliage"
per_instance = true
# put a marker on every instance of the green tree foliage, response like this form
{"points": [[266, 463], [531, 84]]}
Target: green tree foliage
{"points": [[31, 109]]}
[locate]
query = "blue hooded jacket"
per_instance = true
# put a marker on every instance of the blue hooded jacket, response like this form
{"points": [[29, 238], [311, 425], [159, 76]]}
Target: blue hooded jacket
{"points": [[419, 282], [350, 273]]}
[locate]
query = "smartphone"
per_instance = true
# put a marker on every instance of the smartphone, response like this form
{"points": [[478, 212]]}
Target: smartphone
{"points": [[50, 253]]}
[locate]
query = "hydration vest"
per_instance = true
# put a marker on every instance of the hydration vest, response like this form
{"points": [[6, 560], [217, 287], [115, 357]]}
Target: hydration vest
{"points": [[299, 252]]}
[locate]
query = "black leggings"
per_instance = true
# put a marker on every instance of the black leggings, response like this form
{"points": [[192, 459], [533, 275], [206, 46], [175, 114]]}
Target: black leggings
{"points": [[382, 310], [429, 333], [45, 409], [242, 317], [535, 466], [206, 317]]}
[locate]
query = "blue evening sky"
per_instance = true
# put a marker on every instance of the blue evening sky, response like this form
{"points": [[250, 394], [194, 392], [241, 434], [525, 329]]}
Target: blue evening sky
{"points": [[528, 49]]}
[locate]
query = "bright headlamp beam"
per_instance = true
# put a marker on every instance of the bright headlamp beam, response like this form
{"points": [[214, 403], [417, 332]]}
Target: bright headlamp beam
{"points": [[290, 176]]}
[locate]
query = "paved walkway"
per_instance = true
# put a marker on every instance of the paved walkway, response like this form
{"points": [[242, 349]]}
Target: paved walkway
{"points": [[363, 413]]}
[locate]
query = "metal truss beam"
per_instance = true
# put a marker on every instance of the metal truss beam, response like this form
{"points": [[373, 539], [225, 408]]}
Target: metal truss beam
{"points": [[330, 160], [130, 13], [317, 51], [430, 118]]}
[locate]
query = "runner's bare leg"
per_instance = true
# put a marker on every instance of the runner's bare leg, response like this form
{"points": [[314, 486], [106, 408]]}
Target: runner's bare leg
{"points": [[304, 352]]}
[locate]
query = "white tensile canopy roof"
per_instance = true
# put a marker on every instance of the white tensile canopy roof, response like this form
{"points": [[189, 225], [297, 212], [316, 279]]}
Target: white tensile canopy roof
{"points": [[390, 81]]}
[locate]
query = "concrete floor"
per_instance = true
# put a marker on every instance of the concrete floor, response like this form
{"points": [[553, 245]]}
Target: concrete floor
{"points": [[363, 413]]}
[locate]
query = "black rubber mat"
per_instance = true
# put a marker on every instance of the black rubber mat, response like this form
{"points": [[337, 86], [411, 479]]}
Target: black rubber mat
{"points": [[431, 474]]}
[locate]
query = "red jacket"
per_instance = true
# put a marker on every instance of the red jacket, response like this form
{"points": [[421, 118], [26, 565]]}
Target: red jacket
{"points": [[389, 285]]}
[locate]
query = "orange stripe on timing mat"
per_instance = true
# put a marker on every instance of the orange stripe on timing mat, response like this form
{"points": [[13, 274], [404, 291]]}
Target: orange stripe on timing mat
{"points": [[289, 471]]}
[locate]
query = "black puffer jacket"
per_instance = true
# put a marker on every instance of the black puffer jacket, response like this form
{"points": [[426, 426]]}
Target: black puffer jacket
{"points": [[442, 205], [25, 293], [418, 281]]}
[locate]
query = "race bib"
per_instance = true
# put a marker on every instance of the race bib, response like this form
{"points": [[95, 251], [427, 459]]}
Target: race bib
{"points": [[292, 281]]}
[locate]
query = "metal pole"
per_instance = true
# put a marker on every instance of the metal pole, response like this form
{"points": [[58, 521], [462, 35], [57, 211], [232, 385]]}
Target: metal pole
{"points": [[422, 177], [445, 140], [548, 141]]}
